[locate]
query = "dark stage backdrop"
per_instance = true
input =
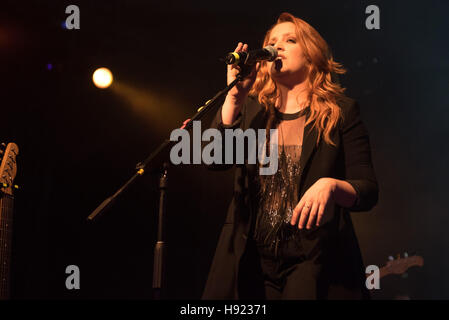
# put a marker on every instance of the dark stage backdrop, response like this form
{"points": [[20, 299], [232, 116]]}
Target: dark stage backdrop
{"points": [[79, 144]]}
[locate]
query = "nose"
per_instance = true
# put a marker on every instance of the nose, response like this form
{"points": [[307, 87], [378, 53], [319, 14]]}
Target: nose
{"points": [[279, 46]]}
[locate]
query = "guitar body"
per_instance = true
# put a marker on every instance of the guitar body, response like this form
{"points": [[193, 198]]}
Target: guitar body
{"points": [[8, 170]]}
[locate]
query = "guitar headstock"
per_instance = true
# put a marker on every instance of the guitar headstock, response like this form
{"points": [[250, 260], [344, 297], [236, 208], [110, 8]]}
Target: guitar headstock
{"points": [[402, 264], [8, 167]]}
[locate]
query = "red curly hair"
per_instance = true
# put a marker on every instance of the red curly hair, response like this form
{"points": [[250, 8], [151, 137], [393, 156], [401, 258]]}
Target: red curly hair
{"points": [[323, 92]]}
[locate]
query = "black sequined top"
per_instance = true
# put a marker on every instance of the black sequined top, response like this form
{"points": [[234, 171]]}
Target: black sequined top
{"points": [[278, 194]]}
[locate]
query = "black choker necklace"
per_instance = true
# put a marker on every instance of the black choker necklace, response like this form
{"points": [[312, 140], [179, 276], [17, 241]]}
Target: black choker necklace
{"points": [[290, 116]]}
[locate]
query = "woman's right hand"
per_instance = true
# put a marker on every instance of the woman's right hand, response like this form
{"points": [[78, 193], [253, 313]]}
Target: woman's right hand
{"points": [[240, 91]]}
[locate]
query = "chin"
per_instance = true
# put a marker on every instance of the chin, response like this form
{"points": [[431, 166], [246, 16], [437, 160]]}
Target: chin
{"points": [[279, 73]]}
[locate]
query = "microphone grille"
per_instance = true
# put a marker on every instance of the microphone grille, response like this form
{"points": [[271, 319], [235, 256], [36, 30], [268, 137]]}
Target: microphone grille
{"points": [[273, 52]]}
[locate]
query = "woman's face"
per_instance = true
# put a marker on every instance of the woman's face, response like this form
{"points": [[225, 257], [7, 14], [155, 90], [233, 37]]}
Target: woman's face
{"points": [[291, 64]]}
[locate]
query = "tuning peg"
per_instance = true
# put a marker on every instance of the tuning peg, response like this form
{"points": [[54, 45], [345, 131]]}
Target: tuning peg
{"points": [[390, 258], [2, 145]]}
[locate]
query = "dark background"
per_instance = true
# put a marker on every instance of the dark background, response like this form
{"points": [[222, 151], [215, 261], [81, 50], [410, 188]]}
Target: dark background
{"points": [[79, 144]]}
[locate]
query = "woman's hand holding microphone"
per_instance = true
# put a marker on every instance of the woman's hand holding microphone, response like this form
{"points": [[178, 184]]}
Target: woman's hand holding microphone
{"points": [[237, 95]]}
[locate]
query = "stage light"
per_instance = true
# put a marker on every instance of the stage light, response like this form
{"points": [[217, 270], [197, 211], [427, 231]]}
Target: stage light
{"points": [[102, 78]]}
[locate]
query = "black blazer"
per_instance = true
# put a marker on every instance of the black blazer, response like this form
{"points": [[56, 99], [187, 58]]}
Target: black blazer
{"points": [[331, 248]]}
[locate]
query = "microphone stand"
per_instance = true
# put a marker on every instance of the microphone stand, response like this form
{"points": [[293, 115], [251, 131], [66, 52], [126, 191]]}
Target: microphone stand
{"points": [[160, 250], [141, 167]]}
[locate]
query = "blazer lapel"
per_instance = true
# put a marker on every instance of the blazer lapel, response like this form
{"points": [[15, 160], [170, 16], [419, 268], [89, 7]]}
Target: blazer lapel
{"points": [[309, 142]]}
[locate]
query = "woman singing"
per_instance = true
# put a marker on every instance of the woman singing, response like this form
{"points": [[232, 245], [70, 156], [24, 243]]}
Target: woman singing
{"points": [[289, 235]]}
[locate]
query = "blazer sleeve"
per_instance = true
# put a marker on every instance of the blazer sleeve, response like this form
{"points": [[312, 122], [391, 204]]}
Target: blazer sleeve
{"points": [[217, 123], [358, 162]]}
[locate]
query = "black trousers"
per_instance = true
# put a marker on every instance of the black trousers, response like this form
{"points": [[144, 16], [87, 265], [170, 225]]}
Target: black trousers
{"points": [[274, 275], [288, 275]]}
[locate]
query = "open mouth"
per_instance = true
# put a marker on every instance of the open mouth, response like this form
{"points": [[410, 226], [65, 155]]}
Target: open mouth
{"points": [[278, 64]]}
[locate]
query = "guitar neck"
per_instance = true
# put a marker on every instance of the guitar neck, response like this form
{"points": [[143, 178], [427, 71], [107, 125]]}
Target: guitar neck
{"points": [[383, 272], [6, 208], [400, 265]]}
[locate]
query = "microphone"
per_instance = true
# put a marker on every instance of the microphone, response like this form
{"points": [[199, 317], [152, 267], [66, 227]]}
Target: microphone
{"points": [[268, 53]]}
